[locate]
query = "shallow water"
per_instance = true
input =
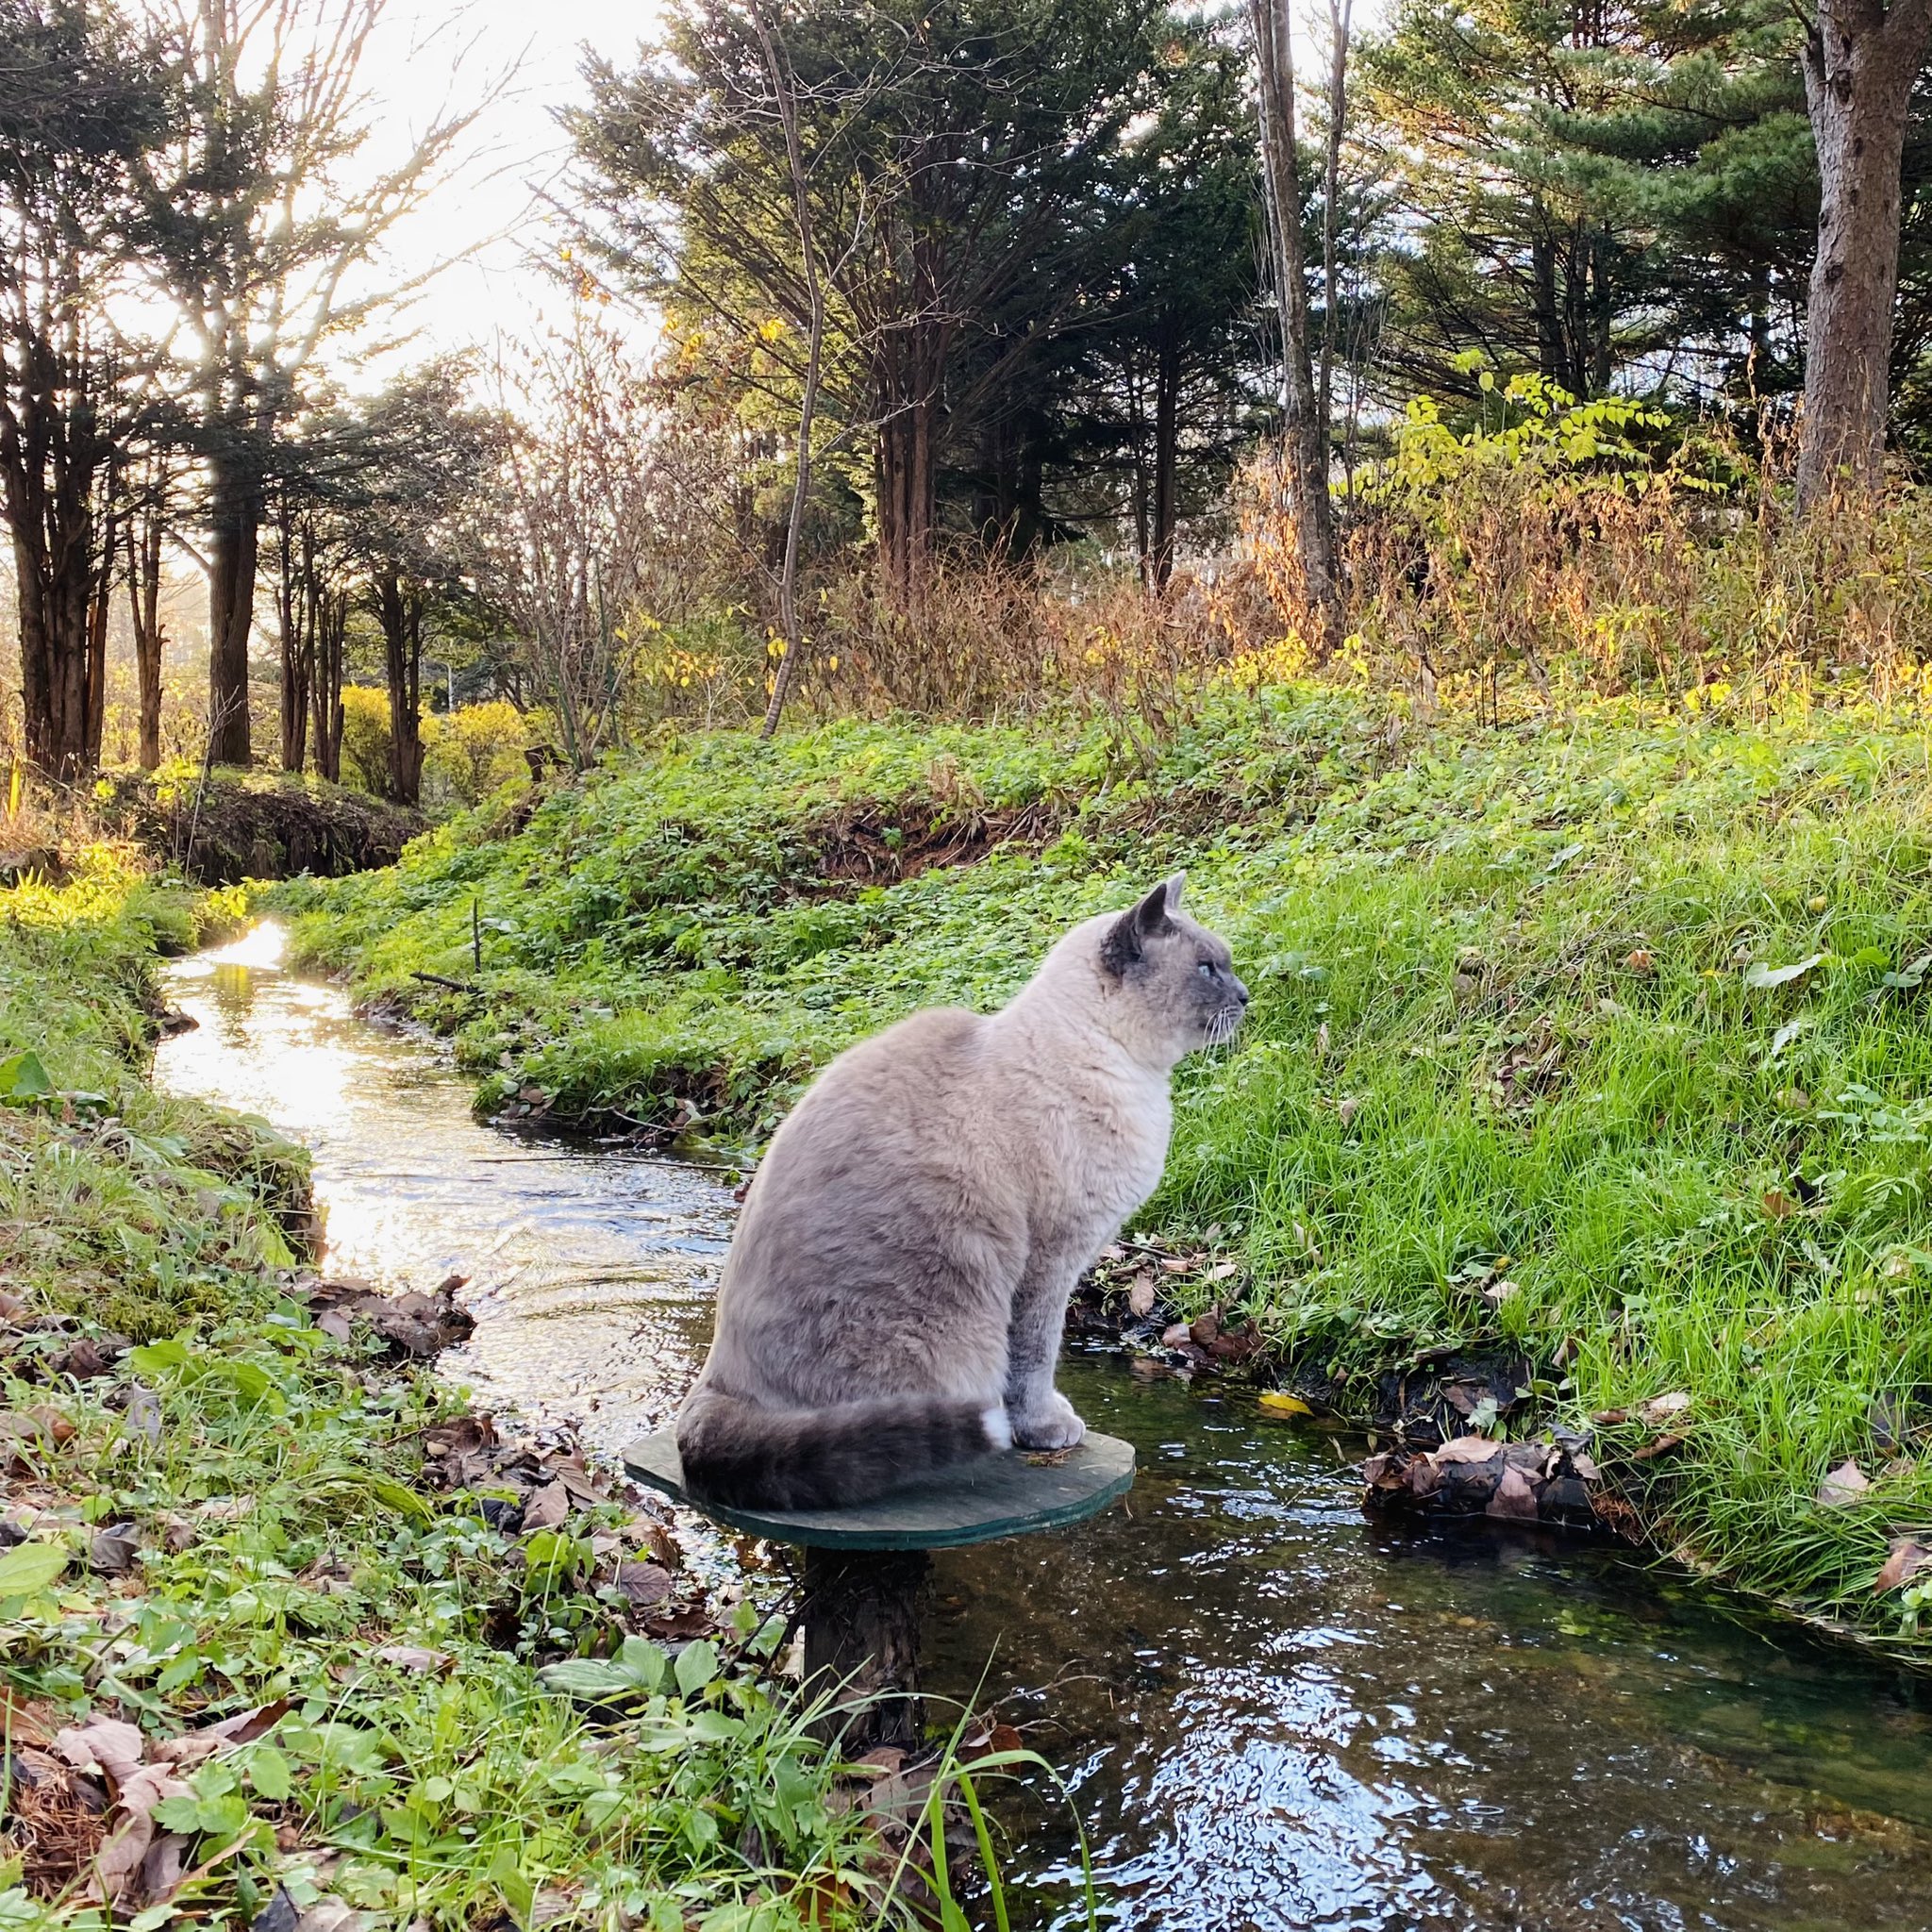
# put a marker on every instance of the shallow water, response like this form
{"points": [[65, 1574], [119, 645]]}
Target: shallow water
{"points": [[1270, 1712]]}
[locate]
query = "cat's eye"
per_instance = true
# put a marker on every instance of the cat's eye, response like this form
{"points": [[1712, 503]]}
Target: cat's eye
{"points": [[1206, 968]]}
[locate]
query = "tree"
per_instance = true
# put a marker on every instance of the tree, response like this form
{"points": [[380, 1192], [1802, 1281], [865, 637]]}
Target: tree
{"points": [[785, 98], [81, 98], [418, 458], [1861, 60], [943, 148], [1305, 433], [149, 507], [263, 220], [1620, 192]]}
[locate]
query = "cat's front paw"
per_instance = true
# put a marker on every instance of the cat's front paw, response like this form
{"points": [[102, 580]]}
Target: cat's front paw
{"points": [[1050, 1424]]}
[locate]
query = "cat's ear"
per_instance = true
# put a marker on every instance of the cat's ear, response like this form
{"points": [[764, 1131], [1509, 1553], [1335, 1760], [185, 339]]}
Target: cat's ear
{"points": [[1174, 888], [1127, 937]]}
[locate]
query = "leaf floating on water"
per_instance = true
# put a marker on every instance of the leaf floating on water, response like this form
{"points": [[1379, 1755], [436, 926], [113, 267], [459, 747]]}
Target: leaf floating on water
{"points": [[1279, 1402], [1845, 1484]]}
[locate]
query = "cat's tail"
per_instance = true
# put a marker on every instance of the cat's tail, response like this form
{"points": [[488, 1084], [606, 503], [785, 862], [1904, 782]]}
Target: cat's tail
{"points": [[751, 1457]]}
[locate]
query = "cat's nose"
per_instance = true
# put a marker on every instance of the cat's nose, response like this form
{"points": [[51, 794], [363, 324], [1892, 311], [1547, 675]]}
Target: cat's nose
{"points": [[1241, 992]]}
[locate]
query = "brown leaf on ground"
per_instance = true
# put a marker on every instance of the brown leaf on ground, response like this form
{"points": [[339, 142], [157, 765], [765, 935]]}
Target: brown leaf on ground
{"points": [[656, 1542], [1176, 1335], [1909, 1558], [415, 1660], [105, 1744], [1845, 1484], [547, 1507], [1658, 1445], [1140, 1296], [118, 1865], [1779, 1205], [643, 1583], [1661, 1408], [1466, 1449], [113, 1551], [144, 1415]]}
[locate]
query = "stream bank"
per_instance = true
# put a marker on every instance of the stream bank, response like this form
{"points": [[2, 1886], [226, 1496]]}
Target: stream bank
{"points": [[275, 1606], [1270, 1712]]}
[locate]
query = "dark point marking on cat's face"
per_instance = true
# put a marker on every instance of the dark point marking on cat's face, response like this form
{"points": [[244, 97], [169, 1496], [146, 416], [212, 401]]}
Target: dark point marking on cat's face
{"points": [[1127, 940], [1182, 973]]}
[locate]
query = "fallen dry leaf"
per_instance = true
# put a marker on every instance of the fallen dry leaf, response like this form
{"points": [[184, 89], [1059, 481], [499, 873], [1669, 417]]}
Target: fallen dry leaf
{"points": [[1661, 1408], [1466, 1449], [1845, 1484], [1908, 1560], [1658, 1445], [1514, 1499], [1778, 1204], [103, 1744], [414, 1658], [547, 1507], [643, 1583], [1177, 1335], [1141, 1295]]}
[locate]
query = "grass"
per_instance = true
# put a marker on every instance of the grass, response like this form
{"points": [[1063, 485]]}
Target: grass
{"points": [[1631, 1015], [233, 1517]]}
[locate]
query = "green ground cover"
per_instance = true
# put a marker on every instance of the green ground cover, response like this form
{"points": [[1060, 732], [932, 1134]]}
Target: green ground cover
{"points": [[232, 1517], [1610, 1038]]}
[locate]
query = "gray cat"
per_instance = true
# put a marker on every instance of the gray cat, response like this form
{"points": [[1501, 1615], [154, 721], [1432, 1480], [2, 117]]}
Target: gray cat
{"points": [[894, 1298]]}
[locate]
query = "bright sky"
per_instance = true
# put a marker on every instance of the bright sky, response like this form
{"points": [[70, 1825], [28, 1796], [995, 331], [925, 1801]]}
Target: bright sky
{"points": [[513, 152]]}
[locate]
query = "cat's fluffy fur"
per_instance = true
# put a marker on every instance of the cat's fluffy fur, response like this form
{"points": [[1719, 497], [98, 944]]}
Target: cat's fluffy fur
{"points": [[894, 1298]]}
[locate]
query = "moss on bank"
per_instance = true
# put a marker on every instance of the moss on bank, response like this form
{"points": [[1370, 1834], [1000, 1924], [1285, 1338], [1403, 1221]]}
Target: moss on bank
{"points": [[1608, 1039], [256, 1666]]}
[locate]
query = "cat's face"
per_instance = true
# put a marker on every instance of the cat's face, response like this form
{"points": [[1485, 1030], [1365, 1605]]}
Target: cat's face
{"points": [[1179, 975]]}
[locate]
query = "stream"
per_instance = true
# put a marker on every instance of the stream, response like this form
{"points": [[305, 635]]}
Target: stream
{"points": [[1270, 1712]]}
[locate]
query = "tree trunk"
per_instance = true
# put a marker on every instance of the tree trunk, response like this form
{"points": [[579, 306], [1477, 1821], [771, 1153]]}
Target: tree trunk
{"points": [[143, 544], [909, 370], [50, 461], [793, 639], [1305, 435], [295, 621], [1340, 16], [400, 613], [235, 530], [1860, 60], [326, 697], [1167, 406]]}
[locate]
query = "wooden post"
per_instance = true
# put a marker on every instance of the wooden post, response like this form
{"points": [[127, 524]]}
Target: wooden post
{"points": [[862, 1611]]}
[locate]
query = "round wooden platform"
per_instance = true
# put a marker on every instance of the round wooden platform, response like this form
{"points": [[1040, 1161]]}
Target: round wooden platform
{"points": [[973, 1502]]}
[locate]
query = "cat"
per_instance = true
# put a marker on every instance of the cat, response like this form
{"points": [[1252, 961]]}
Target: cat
{"points": [[893, 1296]]}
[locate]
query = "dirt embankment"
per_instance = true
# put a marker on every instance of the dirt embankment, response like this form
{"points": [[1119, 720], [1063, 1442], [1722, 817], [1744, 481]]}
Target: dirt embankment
{"points": [[237, 827]]}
